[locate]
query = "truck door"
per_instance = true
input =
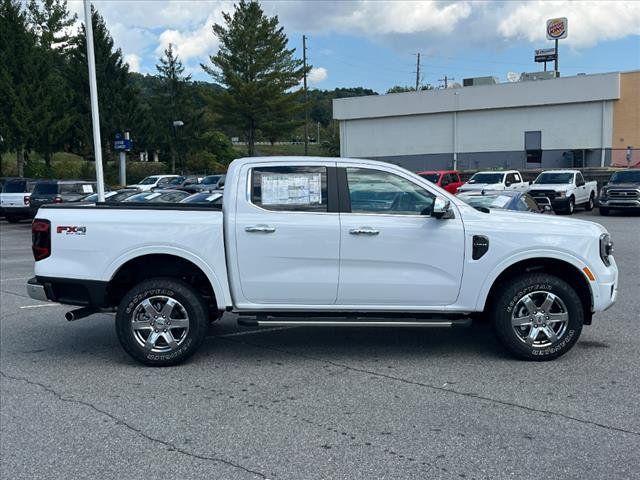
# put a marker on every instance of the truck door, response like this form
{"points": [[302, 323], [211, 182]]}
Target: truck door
{"points": [[393, 252], [288, 235], [581, 189]]}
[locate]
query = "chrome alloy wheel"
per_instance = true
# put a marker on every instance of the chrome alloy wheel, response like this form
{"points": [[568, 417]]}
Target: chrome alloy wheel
{"points": [[160, 324], [540, 319]]}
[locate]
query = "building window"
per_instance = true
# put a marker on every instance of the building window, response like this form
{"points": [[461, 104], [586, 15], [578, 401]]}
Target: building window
{"points": [[533, 146]]}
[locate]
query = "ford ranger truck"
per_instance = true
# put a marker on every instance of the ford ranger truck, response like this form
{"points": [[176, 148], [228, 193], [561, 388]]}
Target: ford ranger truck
{"points": [[564, 190], [323, 242], [495, 180]]}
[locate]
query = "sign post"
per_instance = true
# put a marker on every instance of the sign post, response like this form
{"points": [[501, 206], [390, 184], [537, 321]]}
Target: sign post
{"points": [[557, 29], [122, 145], [93, 93]]}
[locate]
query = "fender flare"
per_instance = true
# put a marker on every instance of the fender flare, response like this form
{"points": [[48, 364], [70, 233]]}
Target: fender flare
{"points": [[541, 254], [220, 289]]}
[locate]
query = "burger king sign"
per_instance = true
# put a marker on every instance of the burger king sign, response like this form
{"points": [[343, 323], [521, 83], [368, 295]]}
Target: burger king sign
{"points": [[557, 28]]}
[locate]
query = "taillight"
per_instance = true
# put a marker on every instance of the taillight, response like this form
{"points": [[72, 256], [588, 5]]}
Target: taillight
{"points": [[57, 200], [41, 239], [27, 200]]}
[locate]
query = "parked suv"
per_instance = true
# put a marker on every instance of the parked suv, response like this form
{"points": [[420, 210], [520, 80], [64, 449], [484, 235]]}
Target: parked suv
{"points": [[621, 193], [14, 199], [59, 191]]}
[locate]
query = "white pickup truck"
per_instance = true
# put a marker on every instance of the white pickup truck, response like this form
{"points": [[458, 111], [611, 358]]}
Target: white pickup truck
{"points": [[493, 180], [323, 242], [564, 190]]}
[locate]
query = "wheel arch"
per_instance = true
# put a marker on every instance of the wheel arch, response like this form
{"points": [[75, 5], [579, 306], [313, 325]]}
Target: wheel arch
{"points": [[560, 268], [150, 265]]}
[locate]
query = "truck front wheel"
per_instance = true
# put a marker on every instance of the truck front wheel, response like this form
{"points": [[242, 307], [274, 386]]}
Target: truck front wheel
{"points": [[591, 203], [537, 317], [161, 321]]}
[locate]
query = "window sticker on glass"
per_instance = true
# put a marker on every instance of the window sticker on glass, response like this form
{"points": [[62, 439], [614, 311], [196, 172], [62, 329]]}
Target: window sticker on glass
{"points": [[87, 188], [500, 201], [291, 188], [213, 197], [152, 195]]}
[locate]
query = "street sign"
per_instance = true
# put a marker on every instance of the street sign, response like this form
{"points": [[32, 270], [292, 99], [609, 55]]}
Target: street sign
{"points": [[122, 144], [545, 55], [557, 28]]}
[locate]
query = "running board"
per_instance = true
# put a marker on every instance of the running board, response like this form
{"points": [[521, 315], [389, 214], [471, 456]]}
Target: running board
{"points": [[252, 322]]}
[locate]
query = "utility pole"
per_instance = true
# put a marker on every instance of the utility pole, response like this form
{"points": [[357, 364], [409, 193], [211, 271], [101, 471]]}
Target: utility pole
{"points": [[417, 71], [446, 81], [306, 96]]}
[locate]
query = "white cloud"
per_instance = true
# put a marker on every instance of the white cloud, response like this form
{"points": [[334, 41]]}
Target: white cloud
{"points": [[134, 62], [317, 75], [589, 22]]}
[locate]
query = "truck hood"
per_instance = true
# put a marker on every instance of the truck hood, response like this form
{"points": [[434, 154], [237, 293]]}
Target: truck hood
{"points": [[535, 223], [558, 187], [622, 185], [472, 187]]}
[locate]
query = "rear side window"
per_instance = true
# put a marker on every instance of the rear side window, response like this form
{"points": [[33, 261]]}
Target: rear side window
{"points": [[15, 186], [298, 189], [49, 188]]}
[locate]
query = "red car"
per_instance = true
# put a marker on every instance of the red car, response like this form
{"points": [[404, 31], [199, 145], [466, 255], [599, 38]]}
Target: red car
{"points": [[447, 179]]}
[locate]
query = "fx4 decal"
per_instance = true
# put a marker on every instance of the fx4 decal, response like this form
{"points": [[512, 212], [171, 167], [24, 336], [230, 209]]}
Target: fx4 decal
{"points": [[72, 230]]}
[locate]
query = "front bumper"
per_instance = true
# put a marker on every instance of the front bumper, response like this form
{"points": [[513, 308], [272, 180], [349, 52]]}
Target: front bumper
{"points": [[605, 289], [609, 202]]}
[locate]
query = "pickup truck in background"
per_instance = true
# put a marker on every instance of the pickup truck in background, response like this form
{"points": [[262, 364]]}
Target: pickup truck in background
{"points": [[493, 180], [564, 190], [323, 242], [447, 179], [15, 198], [153, 181], [621, 193]]}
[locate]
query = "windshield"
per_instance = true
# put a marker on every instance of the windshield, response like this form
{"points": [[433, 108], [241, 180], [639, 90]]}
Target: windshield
{"points": [[628, 176], [210, 198], [149, 181], [552, 177], [15, 186], [432, 177], [46, 188], [211, 179], [486, 178], [176, 181], [487, 201]]}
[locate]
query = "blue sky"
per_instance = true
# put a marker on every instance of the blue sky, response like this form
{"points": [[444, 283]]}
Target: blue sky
{"points": [[373, 43]]}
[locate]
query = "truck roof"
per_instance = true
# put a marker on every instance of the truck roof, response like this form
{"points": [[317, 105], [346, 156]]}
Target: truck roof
{"points": [[561, 170]]}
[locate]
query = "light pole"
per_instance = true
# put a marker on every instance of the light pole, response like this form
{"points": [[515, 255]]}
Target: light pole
{"points": [[176, 124]]}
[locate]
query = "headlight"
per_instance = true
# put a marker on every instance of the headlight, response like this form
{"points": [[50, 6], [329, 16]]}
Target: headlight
{"points": [[606, 248], [603, 192], [562, 194]]}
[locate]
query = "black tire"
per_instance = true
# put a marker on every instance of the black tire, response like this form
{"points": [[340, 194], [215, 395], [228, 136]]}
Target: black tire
{"points": [[591, 203], [509, 302], [12, 218], [604, 211], [572, 205], [190, 310]]}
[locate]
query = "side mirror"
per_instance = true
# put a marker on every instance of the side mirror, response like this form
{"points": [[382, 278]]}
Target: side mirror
{"points": [[441, 208], [507, 183]]}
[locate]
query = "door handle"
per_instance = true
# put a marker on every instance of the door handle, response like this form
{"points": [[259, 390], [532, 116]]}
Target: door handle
{"points": [[260, 229], [364, 231]]}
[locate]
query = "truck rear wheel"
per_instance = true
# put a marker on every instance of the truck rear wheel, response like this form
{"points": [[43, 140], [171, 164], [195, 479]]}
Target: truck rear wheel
{"points": [[161, 321], [537, 317]]}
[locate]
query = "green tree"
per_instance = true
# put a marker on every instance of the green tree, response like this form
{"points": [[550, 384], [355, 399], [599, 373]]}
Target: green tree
{"points": [[52, 113], [17, 51], [257, 69], [117, 97], [172, 102], [401, 89]]}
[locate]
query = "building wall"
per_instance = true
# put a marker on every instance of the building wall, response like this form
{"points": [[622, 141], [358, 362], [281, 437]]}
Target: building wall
{"points": [[485, 125], [626, 119]]}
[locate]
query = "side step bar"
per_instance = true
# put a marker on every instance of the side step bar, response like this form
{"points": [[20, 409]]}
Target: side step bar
{"points": [[253, 322]]}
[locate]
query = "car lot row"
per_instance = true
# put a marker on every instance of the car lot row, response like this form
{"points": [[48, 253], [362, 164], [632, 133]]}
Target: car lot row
{"points": [[22, 197], [558, 190]]}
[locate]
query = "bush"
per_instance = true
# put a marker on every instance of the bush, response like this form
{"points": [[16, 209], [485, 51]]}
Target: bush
{"points": [[204, 162]]}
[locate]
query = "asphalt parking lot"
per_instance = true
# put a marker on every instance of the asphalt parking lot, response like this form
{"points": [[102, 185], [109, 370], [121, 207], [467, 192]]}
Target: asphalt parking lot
{"points": [[304, 403]]}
